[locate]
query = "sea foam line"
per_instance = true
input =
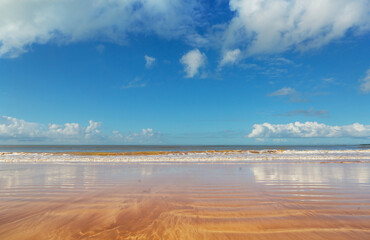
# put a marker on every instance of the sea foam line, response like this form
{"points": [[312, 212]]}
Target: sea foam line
{"points": [[193, 156]]}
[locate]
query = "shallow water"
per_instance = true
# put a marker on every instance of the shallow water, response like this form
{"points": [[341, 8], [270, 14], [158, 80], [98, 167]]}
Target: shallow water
{"points": [[184, 201]]}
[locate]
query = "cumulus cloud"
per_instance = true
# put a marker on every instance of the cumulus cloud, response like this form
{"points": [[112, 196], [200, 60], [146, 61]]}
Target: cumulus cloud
{"points": [[365, 86], [192, 61], [147, 132], [18, 129], [230, 57], [24, 23], [149, 61], [265, 27], [258, 26], [13, 130], [309, 130]]}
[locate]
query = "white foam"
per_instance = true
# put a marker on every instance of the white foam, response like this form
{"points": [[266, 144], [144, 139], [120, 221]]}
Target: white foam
{"points": [[244, 156]]}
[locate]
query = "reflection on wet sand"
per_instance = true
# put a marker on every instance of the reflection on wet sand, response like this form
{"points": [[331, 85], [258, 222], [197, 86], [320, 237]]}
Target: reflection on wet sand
{"points": [[184, 201]]}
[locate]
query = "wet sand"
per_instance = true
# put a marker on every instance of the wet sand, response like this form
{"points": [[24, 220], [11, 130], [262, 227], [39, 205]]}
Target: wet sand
{"points": [[185, 201]]}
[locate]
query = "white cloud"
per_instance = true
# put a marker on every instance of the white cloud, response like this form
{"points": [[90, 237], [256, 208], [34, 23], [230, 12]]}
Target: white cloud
{"points": [[93, 127], [147, 132], [68, 129], [230, 57], [192, 61], [13, 128], [265, 27], [24, 23], [149, 61], [147, 135], [284, 92], [258, 26], [365, 86], [309, 130]]}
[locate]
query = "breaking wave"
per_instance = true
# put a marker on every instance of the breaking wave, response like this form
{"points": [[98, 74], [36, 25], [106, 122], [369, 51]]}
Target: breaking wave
{"points": [[247, 156]]}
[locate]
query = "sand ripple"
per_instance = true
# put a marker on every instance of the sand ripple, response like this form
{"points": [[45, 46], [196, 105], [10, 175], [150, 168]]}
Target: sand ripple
{"points": [[181, 207]]}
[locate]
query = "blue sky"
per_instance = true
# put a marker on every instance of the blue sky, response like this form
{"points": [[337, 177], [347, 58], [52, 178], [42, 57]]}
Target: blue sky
{"points": [[184, 72]]}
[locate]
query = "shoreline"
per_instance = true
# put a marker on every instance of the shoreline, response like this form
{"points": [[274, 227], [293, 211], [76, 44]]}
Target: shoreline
{"points": [[213, 156]]}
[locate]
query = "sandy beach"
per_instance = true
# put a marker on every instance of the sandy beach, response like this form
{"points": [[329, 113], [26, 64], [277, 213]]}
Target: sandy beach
{"points": [[184, 120], [185, 201]]}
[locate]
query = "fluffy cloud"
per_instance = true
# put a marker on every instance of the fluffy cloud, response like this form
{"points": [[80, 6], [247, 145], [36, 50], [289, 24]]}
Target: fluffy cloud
{"points": [[147, 132], [265, 27], [13, 128], [192, 61], [230, 57], [309, 130], [258, 26], [24, 22], [365, 86], [149, 61]]}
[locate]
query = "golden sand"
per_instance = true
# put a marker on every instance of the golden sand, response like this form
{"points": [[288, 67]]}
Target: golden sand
{"points": [[184, 206]]}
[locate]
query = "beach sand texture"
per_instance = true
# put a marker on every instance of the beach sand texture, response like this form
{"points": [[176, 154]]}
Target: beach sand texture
{"points": [[185, 201]]}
